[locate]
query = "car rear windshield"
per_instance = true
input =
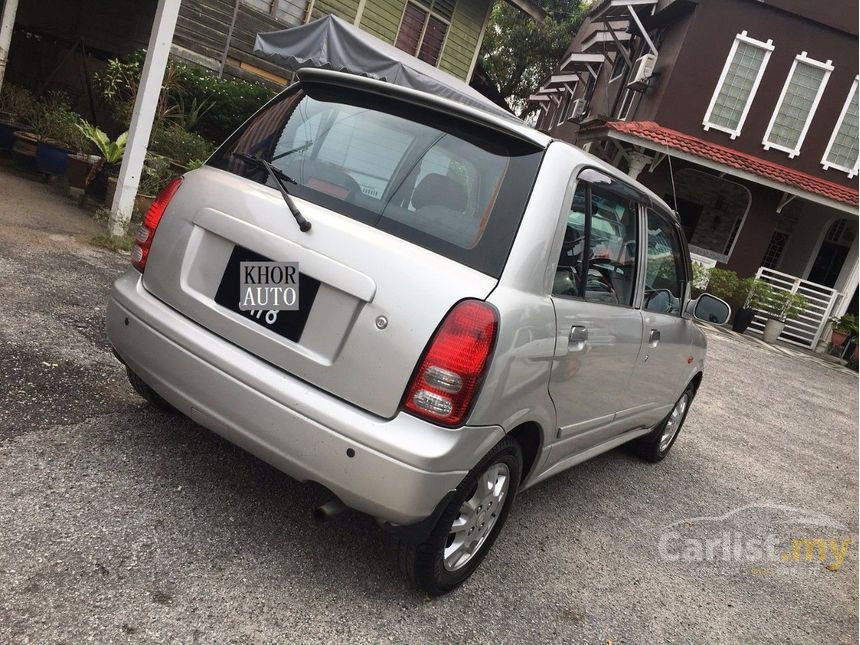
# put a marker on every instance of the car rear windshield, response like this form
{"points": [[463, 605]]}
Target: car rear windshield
{"points": [[451, 186]]}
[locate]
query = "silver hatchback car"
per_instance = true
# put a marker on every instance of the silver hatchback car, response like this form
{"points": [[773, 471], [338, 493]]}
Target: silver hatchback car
{"points": [[421, 306]]}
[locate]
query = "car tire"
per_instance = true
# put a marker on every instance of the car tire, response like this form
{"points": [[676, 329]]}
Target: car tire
{"points": [[148, 393], [425, 564], [655, 445]]}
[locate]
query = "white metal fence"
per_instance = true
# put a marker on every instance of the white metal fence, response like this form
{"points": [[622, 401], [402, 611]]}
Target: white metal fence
{"points": [[806, 329]]}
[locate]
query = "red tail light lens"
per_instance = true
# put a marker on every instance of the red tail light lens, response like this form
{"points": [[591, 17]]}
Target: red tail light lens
{"points": [[140, 250], [453, 366]]}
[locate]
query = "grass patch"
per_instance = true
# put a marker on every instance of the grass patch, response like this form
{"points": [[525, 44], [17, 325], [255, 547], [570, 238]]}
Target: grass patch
{"points": [[116, 244]]}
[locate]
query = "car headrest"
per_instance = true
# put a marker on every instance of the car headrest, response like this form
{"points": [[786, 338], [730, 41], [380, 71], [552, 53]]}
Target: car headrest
{"points": [[439, 190]]}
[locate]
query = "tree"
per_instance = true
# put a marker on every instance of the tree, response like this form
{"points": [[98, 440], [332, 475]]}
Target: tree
{"points": [[518, 53]]}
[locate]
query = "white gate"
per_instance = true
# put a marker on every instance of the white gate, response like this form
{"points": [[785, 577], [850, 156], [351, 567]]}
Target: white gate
{"points": [[806, 328]]}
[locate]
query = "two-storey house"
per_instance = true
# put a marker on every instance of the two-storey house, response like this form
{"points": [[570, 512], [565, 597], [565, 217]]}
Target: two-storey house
{"points": [[220, 34], [741, 113]]}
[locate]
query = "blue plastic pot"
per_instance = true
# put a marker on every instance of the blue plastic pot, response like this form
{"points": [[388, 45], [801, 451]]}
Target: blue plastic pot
{"points": [[51, 159], [7, 135]]}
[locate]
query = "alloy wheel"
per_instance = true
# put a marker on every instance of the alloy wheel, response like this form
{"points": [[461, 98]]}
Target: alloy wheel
{"points": [[673, 423], [477, 517]]}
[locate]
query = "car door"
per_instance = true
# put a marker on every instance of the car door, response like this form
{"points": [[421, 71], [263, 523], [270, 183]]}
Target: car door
{"points": [[598, 327], [663, 363]]}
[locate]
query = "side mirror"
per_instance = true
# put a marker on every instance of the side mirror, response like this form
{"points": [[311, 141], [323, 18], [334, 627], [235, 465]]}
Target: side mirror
{"points": [[711, 309]]}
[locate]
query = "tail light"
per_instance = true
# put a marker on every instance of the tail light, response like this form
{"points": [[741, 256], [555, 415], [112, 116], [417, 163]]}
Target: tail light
{"points": [[140, 250], [453, 366]]}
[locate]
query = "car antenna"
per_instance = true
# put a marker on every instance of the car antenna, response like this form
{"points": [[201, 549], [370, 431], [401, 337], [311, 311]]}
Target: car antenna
{"points": [[672, 179]]}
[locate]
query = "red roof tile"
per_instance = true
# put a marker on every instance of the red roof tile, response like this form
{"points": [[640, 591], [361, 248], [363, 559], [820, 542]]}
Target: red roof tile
{"points": [[699, 147]]}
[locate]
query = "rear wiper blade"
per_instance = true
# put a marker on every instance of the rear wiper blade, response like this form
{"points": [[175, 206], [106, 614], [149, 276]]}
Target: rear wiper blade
{"points": [[281, 180], [301, 148]]}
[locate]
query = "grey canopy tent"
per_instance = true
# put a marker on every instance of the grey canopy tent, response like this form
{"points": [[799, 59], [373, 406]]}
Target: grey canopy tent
{"points": [[334, 44]]}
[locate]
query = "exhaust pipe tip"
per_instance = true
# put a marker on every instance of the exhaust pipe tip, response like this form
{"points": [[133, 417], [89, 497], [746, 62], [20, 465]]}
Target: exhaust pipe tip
{"points": [[328, 511]]}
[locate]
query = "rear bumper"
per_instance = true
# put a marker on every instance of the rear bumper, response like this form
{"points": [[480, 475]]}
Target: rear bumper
{"points": [[401, 468]]}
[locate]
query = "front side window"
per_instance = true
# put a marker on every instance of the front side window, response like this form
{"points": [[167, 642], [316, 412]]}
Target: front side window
{"points": [[421, 32], [797, 104], [665, 272], [842, 150], [738, 83], [450, 187], [598, 254]]}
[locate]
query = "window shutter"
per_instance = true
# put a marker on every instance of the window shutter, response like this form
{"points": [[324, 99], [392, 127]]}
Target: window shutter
{"points": [[445, 8], [434, 38], [410, 29]]}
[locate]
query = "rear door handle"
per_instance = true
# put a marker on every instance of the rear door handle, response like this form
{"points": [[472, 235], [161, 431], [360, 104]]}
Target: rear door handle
{"points": [[577, 338], [654, 338]]}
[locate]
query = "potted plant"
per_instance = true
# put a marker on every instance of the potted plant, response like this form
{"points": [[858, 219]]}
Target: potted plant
{"points": [[781, 306], [16, 108], [26, 146], [754, 293], [844, 327], [24, 150], [59, 138], [157, 173], [111, 153]]}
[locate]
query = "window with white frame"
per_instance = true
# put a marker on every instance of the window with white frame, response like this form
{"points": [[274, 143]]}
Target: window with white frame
{"points": [[842, 150], [619, 67], [626, 104], [564, 106], [797, 104], [738, 84]]}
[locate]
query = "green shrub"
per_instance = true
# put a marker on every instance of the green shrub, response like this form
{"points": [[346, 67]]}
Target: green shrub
{"points": [[700, 275], [722, 283], [17, 102], [231, 101], [200, 101], [753, 293], [157, 173], [175, 142], [61, 126], [784, 304]]}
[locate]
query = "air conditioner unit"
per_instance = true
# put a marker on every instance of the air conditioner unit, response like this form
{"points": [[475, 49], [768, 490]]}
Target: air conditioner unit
{"points": [[642, 71], [578, 110]]}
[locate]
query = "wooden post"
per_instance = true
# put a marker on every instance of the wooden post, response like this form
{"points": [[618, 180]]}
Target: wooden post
{"points": [[143, 115], [7, 24], [230, 38]]}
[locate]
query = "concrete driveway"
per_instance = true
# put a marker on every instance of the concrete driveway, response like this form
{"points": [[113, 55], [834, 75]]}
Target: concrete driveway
{"points": [[122, 524]]}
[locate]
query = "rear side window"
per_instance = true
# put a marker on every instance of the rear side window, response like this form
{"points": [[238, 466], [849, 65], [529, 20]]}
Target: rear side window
{"points": [[452, 187]]}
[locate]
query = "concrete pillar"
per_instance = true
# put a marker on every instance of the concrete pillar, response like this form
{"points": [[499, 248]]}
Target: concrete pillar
{"points": [[143, 115], [636, 162], [7, 24]]}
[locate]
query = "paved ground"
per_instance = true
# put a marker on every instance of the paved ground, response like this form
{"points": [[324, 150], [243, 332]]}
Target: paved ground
{"points": [[120, 524]]}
